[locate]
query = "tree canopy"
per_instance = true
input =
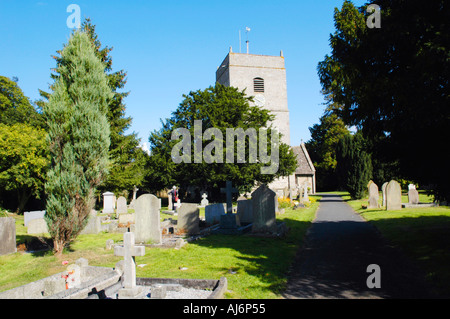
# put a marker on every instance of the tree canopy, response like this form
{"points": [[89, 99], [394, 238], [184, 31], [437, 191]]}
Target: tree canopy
{"points": [[392, 83], [221, 108]]}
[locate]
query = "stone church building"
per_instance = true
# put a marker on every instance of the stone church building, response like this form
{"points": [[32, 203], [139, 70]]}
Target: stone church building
{"points": [[264, 77]]}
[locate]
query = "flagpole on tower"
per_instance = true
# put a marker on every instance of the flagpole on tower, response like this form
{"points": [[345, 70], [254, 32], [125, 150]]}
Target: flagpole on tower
{"points": [[247, 30]]}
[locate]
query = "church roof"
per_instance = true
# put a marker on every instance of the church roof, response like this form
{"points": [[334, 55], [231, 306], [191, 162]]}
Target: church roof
{"points": [[305, 165]]}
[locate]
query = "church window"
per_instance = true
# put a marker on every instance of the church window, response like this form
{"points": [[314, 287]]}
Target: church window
{"points": [[258, 85]]}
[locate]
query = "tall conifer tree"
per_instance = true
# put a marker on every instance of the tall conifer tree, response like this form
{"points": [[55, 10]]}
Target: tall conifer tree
{"points": [[79, 138]]}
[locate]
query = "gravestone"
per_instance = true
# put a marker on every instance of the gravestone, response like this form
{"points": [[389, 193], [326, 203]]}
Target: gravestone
{"points": [[188, 219], [263, 206], [94, 225], [393, 196], [122, 207], [413, 194], [213, 213], [27, 216], [37, 226], [305, 193], [170, 203], [205, 201], [147, 219], [108, 203], [373, 195], [383, 191], [229, 220], [7, 236], [129, 251], [245, 211]]}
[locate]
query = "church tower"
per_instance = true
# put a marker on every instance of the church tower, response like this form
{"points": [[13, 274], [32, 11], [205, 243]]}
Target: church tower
{"points": [[263, 77]]}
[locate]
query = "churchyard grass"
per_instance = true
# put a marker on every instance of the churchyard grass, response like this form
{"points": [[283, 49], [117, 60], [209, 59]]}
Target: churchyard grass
{"points": [[256, 267], [421, 233]]}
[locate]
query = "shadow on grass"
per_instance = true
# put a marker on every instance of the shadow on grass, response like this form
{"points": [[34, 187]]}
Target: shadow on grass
{"points": [[425, 240], [268, 259]]}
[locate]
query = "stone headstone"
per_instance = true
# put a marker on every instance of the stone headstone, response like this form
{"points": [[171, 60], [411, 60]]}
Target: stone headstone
{"points": [[383, 191], [205, 201], [37, 226], [213, 213], [129, 251], [7, 236], [229, 191], [94, 225], [393, 196], [27, 216], [188, 219], [108, 203], [122, 207], [170, 203], [373, 195], [413, 195], [147, 219], [245, 211], [263, 206], [127, 218]]}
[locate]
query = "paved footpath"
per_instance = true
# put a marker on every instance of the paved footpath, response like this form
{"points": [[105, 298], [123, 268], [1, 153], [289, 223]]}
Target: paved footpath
{"points": [[338, 248]]}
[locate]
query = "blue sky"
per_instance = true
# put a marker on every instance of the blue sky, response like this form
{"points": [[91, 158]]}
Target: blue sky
{"points": [[169, 48]]}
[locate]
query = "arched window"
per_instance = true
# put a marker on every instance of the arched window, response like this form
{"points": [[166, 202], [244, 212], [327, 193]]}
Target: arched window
{"points": [[258, 85]]}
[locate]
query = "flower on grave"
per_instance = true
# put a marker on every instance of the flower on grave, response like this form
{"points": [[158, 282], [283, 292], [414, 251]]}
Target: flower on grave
{"points": [[65, 262]]}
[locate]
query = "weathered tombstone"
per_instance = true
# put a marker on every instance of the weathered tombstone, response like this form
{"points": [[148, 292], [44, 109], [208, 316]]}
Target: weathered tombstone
{"points": [[122, 207], [213, 213], [229, 190], [413, 194], [305, 193], [205, 201], [37, 226], [245, 211], [147, 219], [27, 216], [373, 195], [383, 191], [229, 220], [129, 251], [264, 217], [94, 225], [393, 196], [108, 203], [188, 219], [7, 235], [109, 244]]}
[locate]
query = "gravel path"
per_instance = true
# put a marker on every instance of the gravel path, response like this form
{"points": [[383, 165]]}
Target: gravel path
{"points": [[338, 248]]}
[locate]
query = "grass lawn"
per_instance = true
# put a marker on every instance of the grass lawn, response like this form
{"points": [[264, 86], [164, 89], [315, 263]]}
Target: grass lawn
{"points": [[422, 233], [255, 267]]}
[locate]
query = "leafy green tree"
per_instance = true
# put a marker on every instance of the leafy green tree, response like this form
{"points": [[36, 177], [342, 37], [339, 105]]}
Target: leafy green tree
{"points": [[23, 161], [222, 108], [127, 165], [393, 84], [354, 165], [22, 164], [78, 131], [15, 107]]}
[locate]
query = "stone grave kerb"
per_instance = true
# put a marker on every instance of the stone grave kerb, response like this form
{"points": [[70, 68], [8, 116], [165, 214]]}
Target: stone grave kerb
{"points": [[129, 251]]}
